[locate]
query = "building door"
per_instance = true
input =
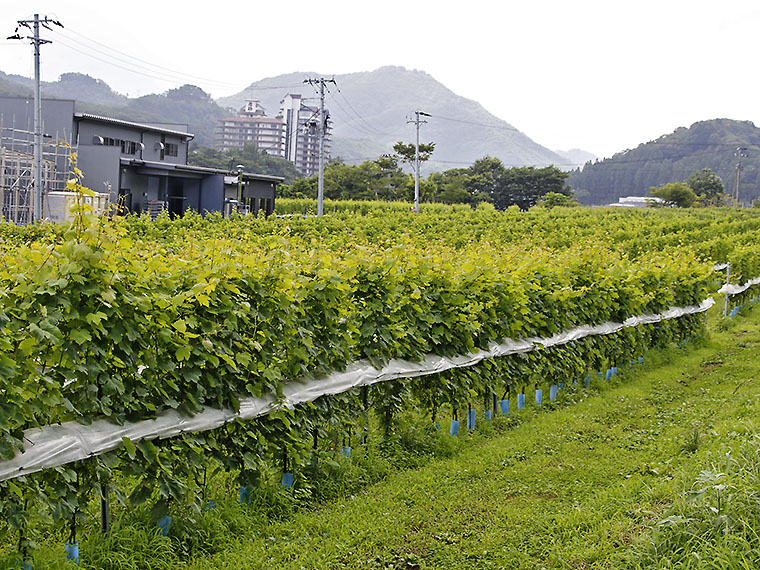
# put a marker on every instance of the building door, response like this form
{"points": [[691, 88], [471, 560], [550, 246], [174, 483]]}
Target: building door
{"points": [[177, 198]]}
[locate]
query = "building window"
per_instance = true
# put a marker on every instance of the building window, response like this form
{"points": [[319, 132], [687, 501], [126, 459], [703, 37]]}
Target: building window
{"points": [[171, 149], [127, 147]]}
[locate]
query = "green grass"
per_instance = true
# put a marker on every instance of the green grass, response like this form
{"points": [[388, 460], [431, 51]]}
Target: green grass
{"points": [[658, 469], [584, 486]]}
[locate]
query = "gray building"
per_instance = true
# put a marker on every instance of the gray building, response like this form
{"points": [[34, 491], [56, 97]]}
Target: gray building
{"points": [[142, 167], [302, 132]]}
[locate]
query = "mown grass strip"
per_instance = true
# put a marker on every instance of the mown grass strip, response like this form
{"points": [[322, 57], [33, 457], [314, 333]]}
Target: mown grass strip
{"points": [[580, 487]]}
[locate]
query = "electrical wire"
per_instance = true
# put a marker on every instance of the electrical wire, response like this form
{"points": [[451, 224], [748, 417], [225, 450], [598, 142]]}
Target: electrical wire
{"points": [[613, 162], [504, 127], [149, 67], [356, 113], [350, 120], [143, 73]]}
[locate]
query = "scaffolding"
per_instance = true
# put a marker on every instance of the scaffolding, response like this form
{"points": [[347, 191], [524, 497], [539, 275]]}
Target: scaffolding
{"points": [[16, 184], [17, 167]]}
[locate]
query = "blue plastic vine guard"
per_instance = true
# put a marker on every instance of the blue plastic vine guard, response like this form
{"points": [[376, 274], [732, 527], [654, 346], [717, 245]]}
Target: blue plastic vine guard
{"points": [[72, 552], [608, 375], [487, 415], [614, 370], [539, 396], [587, 380], [346, 451], [641, 360], [520, 401], [553, 392], [471, 415], [26, 566], [454, 430], [244, 496], [287, 480], [504, 405], [599, 373], [209, 506], [164, 525], [561, 385]]}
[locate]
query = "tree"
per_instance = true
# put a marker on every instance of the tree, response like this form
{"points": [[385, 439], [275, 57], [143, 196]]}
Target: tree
{"points": [[707, 185], [524, 186], [676, 194], [483, 178], [380, 179], [407, 152], [449, 187], [249, 156], [554, 199]]}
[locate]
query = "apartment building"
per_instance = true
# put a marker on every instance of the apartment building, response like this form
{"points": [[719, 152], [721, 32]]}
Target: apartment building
{"points": [[293, 134], [251, 125]]}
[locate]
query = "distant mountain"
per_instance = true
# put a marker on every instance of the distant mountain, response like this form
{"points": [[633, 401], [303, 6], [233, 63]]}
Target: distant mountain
{"points": [[14, 86], [370, 110], [574, 158], [672, 158]]}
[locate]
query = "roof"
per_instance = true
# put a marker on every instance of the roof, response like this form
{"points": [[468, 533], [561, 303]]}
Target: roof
{"points": [[140, 126], [257, 119], [198, 170]]}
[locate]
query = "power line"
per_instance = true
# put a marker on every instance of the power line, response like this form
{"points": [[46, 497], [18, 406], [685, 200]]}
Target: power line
{"points": [[111, 63], [353, 121], [612, 162], [151, 67], [504, 127], [356, 113]]}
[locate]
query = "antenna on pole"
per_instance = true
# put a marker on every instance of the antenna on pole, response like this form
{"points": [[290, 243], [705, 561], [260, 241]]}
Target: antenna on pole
{"points": [[34, 27], [322, 132]]}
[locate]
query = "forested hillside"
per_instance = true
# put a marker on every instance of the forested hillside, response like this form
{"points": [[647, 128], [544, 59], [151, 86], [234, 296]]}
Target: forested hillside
{"points": [[672, 158]]}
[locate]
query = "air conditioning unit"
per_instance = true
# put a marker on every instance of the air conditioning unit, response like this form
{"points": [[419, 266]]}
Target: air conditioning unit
{"points": [[156, 207]]}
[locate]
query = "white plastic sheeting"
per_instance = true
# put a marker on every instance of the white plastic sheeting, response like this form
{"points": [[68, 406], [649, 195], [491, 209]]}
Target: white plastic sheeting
{"points": [[731, 289], [56, 445]]}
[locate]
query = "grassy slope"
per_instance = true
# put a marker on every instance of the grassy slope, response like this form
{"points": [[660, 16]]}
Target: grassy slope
{"points": [[581, 487]]}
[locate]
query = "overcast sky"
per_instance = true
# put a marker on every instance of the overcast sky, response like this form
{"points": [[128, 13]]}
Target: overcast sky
{"points": [[598, 75]]}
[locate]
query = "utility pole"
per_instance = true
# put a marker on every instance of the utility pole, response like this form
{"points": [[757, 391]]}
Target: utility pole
{"points": [[322, 133], [34, 27], [240, 168], [417, 122], [739, 154]]}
